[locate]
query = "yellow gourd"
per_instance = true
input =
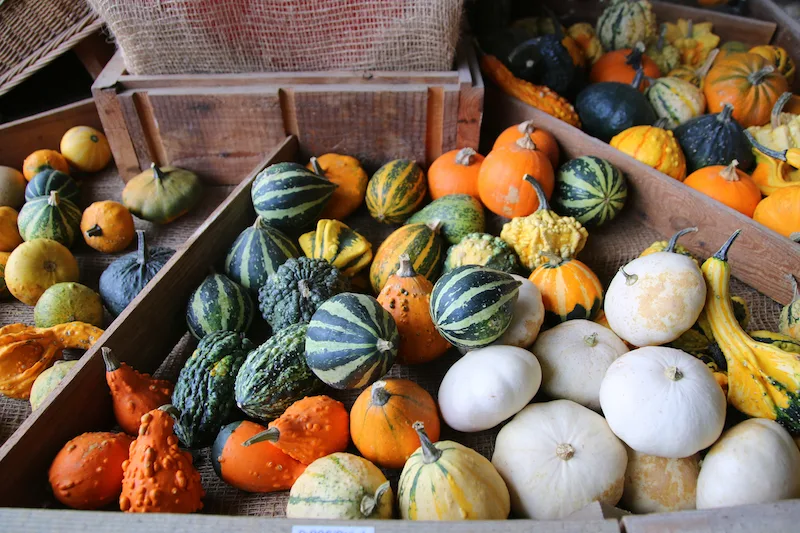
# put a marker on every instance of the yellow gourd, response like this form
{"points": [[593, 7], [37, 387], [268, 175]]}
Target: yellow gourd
{"points": [[769, 141], [694, 41], [583, 33], [789, 322], [339, 245], [779, 57], [655, 147]]}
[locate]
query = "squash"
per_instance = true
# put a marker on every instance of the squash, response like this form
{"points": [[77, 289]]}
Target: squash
{"points": [[3, 289], [107, 227], [162, 194], [654, 146], [9, 233], [696, 76], [676, 100], [448, 481], [789, 321], [380, 421], [458, 216], [48, 381], [482, 249], [664, 54], [346, 173], [85, 148], [557, 457], [12, 187], [455, 172], [352, 488], [257, 253], [693, 40], [544, 59], [41, 160], [569, 289], [49, 180], [288, 196], [589, 189], [87, 472], [769, 142], [727, 185], [584, 35], [68, 302], [49, 217], [420, 241], [780, 212], [24, 355], [527, 316], [784, 342], [35, 266], [714, 140], [755, 461], [625, 22], [777, 56], [488, 386], [621, 66], [575, 356], [543, 140], [72, 335], [218, 304], [396, 191], [658, 484], [732, 47], [336, 243]]}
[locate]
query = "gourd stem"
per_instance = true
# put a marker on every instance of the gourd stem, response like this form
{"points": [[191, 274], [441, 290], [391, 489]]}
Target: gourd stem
{"points": [[268, 435], [662, 36], [757, 77], [110, 360], [379, 396], [143, 254], [526, 142], [722, 253], [317, 167], [690, 29], [94, 231], [590, 340], [304, 288], [157, 172], [565, 451], [257, 223], [634, 58], [637, 79], [465, 157], [406, 269], [435, 225], [769, 152], [777, 109], [673, 373], [630, 279], [662, 123], [383, 345], [430, 453], [54, 200], [526, 127], [729, 173], [702, 72], [553, 260], [544, 205], [724, 116], [171, 410], [795, 236], [795, 288], [673, 241], [369, 503]]}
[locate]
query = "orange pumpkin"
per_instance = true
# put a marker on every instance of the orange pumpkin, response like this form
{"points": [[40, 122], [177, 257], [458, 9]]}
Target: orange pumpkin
{"points": [[346, 172], [654, 146], [780, 212], [455, 172], [621, 66], [381, 421], [749, 83], [107, 226], [42, 159], [793, 106], [569, 288], [501, 182], [727, 185], [9, 232], [543, 140], [3, 289]]}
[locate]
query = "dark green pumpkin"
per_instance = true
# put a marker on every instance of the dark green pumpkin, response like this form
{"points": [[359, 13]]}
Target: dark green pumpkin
{"points": [[219, 304], [257, 253], [50, 217], [458, 214], [590, 189], [49, 180], [288, 196], [161, 195], [608, 108], [714, 140], [543, 61]]}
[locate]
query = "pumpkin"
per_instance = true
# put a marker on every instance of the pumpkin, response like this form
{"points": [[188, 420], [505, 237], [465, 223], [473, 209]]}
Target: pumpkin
{"points": [[257, 253], [133, 394], [543, 140], [458, 215], [35, 266], [569, 290], [218, 304], [107, 226], [162, 194], [3, 289], [49, 217], [420, 241], [727, 185], [789, 321], [396, 191], [583, 33], [544, 60], [658, 484], [732, 47], [380, 421], [769, 142], [527, 316], [455, 172], [41, 160], [158, 476], [714, 140], [780, 211], [621, 66], [696, 75], [24, 355], [68, 302], [777, 56], [49, 180], [574, 357], [288, 196], [48, 381], [664, 54], [448, 481], [589, 189], [12, 187], [655, 147], [346, 173], [482, 249], [85, 148], [676, 100], [693, 40], [557, 457], [501, 182], [625, 22], [87, 472], [9, 233], [339, 245]]}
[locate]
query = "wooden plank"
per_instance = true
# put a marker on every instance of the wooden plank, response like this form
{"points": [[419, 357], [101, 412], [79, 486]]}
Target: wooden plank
{"points": [[94, 52], [139, 140], [787, 34], [470, 105], [450, 121], [780, 516], [434, 130]]}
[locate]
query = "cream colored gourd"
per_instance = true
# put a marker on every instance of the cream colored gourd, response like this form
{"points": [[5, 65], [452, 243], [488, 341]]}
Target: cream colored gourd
{"points": [[659, 485], [528, 316], [655, 299], [755, 461], [488, 386], [663, 402], [574, 356], [557, 457]]}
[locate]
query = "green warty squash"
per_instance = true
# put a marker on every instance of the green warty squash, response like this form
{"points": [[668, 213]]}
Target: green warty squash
{"points": [[484, 250]]}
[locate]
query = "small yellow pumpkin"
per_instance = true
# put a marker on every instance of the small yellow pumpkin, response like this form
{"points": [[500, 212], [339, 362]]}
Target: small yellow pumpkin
{"points": [[346, 172], [775, 55], [85, 148], [9, 232], [35, 266], [654, 146]]}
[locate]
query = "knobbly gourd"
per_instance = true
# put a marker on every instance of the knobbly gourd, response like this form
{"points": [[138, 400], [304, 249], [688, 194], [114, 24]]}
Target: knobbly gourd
{"points": [[621, 65], [727, 185], [162, 194], [421, 242], [288, 196], [107, 226], [72, 335], [654, 146], [455, 172], [569, 289], [49, 180], [458, 214], [68, 302], [543, 140], [660, 485], [24, 355], [527, 316], [396, 191], [482, 249], [675, 100], [336, 243], [50, 217], [714, 140], [257, 253], [589, 189], [35, 266], [41, 160], [583, 33], [779, 58], [771, 144], [9, 232], [623, 23], [663, 53], [12, 187], [219, 304], [694, 40], [697, 75], [48, 381], [789, 320], [85, 148], [350, 179]]}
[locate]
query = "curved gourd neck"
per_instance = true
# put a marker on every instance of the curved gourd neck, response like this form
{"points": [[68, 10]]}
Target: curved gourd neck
{"points": [[268, 435], [777, 109], [673, 241], [544, 205], [769, 152], [109, 359], [702, 72], [722, 253], [430, 453]]}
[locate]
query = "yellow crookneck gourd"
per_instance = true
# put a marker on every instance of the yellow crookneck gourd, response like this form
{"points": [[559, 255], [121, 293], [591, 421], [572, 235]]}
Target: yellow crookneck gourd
{"points": [[777, 149], [339, 245], [789, 322]]}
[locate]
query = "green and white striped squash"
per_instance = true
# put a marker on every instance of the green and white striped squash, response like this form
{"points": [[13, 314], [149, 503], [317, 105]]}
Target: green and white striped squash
{"points": [[421, 242], [289, 196], [625, 22], [49, 180], [675, 100], [459, 215], [50, 217], [472, 305], [219, 304], [590, 189], [351, 341], [395, 191], [256, 253]]}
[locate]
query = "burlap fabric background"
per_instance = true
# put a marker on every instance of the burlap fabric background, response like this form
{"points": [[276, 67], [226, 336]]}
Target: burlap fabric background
{"points": [[229, 36]]}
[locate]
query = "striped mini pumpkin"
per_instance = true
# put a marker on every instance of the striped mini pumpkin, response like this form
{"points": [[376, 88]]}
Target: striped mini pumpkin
{"points": [[50, 217], [218, 304], [289, 196], [49, 180], [351, 341], [421, 242], [472, 305], [590, 189], [256, 253], [570, 290], [395, 191], [675, 100], [625, 22]]}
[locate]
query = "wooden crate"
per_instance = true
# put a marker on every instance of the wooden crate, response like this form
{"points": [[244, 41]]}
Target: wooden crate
{"points": [[220, 125]]}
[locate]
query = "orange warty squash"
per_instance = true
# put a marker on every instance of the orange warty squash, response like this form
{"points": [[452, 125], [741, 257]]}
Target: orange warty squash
{"points": [[455, 172], [543, 140], [85, 148], [621, 66], [382, 417], [9, 232], [107, 226], [87, 472], [346, 172], [780, 212], [727, 185], [42, 159], [654, 146], [24, 354]]}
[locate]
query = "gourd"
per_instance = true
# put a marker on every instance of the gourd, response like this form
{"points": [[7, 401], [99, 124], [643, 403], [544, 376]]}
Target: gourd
{"points": [[558, 457], [769, 472], [732, 47], [380, 421], [663, 402], [455, 172], [127, 276], [569, 288], [589, 189], [784, 342], [727, 185], [664, 54], [789, 321], [420, 241], [85, 148], [12, 187], [133, 394], [621, 66], [159, 477], [49, 180], [42, 159], [482, 249], [9, 233], [3, 289], [346, 173], [675, 100], [406, 296], [574, 357], [351, 341], [353, 489], [583, 33], [714, 140], [288, 196], [527, 316], [204, 390], [107, 226], [396, 191], [87, 472], [777, 56], [275, 375], [769, 143], [48, 381], [257, 253], [472, 306], [72, 335], [654, 146], [625, 22], [543, 140], [780, 212], [487, 386], [218, 304], [458, 215], [660, 485], [339, 245], [296, 290], [693, 40], [162, 194], [697, 76], [656, 298], [448, 481], [543, 59], [24, 355], [49, 217], [36, 265], [68, 302]]}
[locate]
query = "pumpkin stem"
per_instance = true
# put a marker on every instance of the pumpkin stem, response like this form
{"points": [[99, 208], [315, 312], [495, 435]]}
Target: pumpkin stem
{"points": [[724, 116], [630, 279], [526, 127], [777, 109], [769, 152], [171, 410], [383, 345], [54, 200], [369, 503], [795, 236], [673, 373], [662, 123], [544, 205], [662, 36], [430, 453], [722, 253], [553, 260], [634, 58], [257, 223], [304, 288], [702, 72], [729, 173], [757, 77], [110, 360], [795, 288], [435, 225], [95, 231], [317, 167], [465, 156], [406, 269], [526, 142], [673, 241], [637, 79], [157, 172], [143, 254], [590, 340], [379, 396], [565, 451], [690, 29], [268, 435]]}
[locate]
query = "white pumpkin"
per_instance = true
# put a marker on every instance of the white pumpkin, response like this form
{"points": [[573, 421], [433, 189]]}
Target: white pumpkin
{"points": [[660, 485], [663, 402], [575, 356], [488, 386], [528, 316], [556, 458], [755, 461]]}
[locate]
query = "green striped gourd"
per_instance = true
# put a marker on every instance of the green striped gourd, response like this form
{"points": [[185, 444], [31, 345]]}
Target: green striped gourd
{"points": [[675, 100], [423, 245], [49, 180], [484, 250], [472, 305], [459, 215], [351, 341], [219, 304], [395, 191], [590, 189], [625, 22], [289, 196], [50, 217], [789, 321], [256, 253], [339, 245]]}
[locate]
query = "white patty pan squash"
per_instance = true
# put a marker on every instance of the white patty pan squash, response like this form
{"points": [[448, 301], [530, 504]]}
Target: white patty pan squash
{"points": [[488, 386], [556, 458], [527, 318], [660, 485], [575, 356], [663, 402]]}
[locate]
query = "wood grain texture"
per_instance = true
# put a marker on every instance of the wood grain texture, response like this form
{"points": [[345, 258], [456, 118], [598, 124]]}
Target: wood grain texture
{"points": [[470, 102], [435, 121], [781, 516]]}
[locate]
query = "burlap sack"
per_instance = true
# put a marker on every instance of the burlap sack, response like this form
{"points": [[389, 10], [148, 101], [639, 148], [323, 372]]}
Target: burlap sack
{"points": [[232, 36]]}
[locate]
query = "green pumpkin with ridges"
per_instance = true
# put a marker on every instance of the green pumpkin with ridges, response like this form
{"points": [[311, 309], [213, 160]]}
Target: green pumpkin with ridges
{"points": [[395, 191], [423, 245], [162, 194], [219, 304], [625, 22], [459, 215], [49, 180], [257, 253], [289, 196], [610, 107], [50, 217], [484, 250], [590, 189]]}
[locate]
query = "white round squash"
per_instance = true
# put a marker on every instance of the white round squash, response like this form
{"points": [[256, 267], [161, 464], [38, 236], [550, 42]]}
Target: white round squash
{"points": [[557, 457], [575, 356], [488, 386], [663, 402], [527, 318], [660, 485], [755, 461]]}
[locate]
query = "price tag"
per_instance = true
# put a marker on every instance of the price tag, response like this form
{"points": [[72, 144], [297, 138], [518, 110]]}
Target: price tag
{"points": [[332, 529]]}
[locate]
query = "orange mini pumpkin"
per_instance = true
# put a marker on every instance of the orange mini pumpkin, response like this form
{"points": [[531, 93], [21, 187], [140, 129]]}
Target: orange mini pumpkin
{"points": [[9, 232], [346, 172], [654, 146], [621, 66], [727, 185], [42, 159], [543, 140], [455, 172], [780, 212], [570, 290], [107, 226]]}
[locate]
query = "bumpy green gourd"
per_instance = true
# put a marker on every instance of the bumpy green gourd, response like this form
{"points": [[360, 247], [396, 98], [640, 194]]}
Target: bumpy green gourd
{"points": [[485, 250]]}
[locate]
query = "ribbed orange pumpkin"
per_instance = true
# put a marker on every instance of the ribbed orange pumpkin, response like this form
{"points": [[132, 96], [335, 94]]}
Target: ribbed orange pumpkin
{"points": [[543, 140], [455, 172], [621, 66], [780, 211], [654, 146], [346, 172], [569, 290], [727, 185], [42, 159]]}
